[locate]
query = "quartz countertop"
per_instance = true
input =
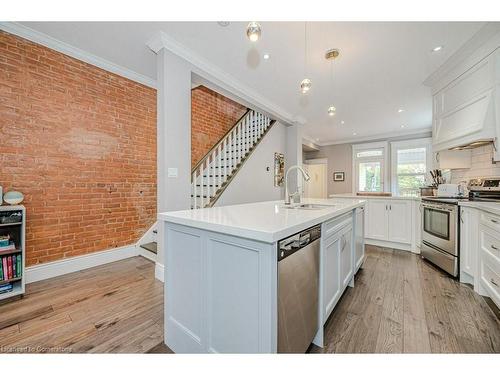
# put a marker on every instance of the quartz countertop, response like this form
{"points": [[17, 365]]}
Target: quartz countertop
{"points": [[263, 221], [351, 195], [492, 207]]}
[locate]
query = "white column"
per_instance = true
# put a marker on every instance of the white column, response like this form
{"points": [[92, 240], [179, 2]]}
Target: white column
{"points": [[173, 138], [293, 155]]}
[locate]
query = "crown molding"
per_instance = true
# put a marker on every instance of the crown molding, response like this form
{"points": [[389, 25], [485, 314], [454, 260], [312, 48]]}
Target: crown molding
{"points": [[67, 49], [423, 132], [217, 76], [481, 44]]}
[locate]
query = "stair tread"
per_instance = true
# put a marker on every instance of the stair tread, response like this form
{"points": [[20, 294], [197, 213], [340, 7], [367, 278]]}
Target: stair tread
{"points": [[151, 246]]}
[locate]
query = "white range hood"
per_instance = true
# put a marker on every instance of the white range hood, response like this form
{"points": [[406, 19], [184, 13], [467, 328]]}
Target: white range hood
{"points": [[466, 101]]}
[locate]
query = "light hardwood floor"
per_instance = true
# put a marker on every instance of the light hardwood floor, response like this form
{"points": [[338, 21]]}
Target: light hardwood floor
{"points": [[403, 304], [116, 307], [400, 304]]}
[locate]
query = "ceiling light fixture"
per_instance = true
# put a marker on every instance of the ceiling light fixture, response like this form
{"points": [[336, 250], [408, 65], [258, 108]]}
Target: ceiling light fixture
{"points": [[305, 84], [223, 23], [437, 49], [402, 126], [331, 55], [266, 56], [354, 133], [254, 31], [342, 122], [400, 110]]}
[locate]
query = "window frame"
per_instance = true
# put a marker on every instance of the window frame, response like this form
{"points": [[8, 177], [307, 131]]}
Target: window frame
{"points": [[384, 159], [409, 144]]}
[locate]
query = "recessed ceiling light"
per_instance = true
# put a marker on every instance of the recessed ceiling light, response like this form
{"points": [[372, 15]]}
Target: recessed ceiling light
{"points": [[437, 49], [342, 122], [402, 126], [354, 133], [400, 110], [223, 23], [266, 56]]}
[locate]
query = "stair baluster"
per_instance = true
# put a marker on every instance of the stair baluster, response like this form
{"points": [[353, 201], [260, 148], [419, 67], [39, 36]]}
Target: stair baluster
{"points": [[211, 176]]}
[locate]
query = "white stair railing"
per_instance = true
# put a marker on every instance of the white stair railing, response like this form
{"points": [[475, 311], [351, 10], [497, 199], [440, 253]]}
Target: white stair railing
{"points": [[212, 173]]}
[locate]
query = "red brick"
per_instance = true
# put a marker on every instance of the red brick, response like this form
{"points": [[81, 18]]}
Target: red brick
{"points": [[80, 143]]}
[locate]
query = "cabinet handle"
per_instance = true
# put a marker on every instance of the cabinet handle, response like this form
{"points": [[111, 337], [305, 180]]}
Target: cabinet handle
{"points": [[493, 282], [390, 207], [345, 243], [494, 247], [494, 221]]}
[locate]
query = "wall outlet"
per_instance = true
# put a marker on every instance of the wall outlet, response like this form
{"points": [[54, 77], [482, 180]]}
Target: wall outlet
{"points": [[172, 173]]}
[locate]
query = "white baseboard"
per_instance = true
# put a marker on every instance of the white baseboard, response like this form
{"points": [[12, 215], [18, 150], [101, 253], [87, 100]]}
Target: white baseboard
{"points": [[159, 272], [391, 245], [74, 264]]}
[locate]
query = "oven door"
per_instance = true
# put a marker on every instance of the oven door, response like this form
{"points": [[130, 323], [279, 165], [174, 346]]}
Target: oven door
{"points": [[439, 226]]}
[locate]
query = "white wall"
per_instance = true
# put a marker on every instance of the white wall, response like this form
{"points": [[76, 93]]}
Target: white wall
{"points": [[254, 183], [481, 166]]}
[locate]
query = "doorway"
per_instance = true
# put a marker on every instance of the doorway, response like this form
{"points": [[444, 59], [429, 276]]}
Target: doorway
{"points": [[316, 187]]}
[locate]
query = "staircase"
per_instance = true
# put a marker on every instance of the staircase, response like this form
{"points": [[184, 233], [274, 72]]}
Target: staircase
{"points": [[213, 173]]}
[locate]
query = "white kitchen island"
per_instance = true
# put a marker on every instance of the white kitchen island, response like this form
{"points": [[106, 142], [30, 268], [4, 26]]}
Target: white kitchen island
{"points": [[221, 279]]}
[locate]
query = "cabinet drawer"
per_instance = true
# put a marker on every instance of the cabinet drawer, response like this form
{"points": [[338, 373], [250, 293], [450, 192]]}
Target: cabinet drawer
{"points": [[490, 276], [333, 226], [491, 220], [490, 241]]}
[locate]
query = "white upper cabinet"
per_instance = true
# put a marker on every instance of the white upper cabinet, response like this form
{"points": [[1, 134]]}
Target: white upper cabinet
{"points": [[466, 94], [464, 110]]}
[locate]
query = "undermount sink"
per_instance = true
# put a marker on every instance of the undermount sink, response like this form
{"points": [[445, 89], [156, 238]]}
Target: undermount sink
{"points": [[307, 206]]}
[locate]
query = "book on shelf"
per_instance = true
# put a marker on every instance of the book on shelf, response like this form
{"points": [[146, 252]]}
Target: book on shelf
{"points": [[10, 266], [6, 288], [10, 246]]}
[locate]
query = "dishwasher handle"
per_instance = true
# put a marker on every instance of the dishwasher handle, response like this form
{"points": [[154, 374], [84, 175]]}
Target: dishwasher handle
{"points": [[298, 241]]}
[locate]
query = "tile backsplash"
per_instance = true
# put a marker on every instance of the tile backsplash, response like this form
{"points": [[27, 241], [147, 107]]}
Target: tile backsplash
{"points": [[481, 166]]}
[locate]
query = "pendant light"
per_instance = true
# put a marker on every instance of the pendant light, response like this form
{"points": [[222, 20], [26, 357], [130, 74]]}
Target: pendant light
{"points": [[253, 31], [306, 83], [331, 55]]}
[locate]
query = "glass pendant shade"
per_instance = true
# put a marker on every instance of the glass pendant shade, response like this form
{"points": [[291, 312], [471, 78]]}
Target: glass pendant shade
{"points": [[331, 111], [253, 31], [305, 85]]}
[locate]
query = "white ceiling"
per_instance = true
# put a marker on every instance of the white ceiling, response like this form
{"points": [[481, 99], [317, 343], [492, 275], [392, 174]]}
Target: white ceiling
{"points": [[381, 68]]}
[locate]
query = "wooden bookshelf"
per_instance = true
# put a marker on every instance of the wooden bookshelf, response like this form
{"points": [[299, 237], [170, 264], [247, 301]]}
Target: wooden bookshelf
{"points": [[17, 232]]}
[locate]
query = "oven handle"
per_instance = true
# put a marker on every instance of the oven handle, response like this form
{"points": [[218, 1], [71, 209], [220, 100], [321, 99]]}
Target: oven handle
{"points": [[438, 207]]}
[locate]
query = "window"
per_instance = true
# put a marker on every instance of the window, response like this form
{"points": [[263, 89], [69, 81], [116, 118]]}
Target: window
{"points": [[410, 164], [369, 161]]}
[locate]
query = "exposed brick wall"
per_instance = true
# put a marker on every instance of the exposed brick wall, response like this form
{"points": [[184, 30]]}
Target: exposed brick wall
{"points": [[80, 143], [212, 115]]}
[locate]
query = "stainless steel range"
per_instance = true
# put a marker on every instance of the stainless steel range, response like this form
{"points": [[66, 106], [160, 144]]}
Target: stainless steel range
{"points": [[440, 223]]}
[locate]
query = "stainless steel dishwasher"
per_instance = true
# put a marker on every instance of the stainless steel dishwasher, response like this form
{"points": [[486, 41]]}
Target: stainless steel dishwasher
{"points": [[298, 290]]}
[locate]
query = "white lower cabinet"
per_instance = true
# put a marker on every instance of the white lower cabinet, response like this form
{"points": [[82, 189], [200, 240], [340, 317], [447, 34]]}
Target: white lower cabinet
{"points": [[346, 257], [377, 219], [468, 244], [359, 238], [390, 220], [480, 251], [337, 263], [489, 256], [331, 289]]}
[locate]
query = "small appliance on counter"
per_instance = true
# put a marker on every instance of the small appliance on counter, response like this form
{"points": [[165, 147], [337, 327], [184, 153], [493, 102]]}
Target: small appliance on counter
{"points": [[428, 191], [441, 217], [450, 190]]}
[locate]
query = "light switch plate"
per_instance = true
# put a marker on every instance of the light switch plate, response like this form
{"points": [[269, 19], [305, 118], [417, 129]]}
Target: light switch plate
{"points": [[172, 173]]}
